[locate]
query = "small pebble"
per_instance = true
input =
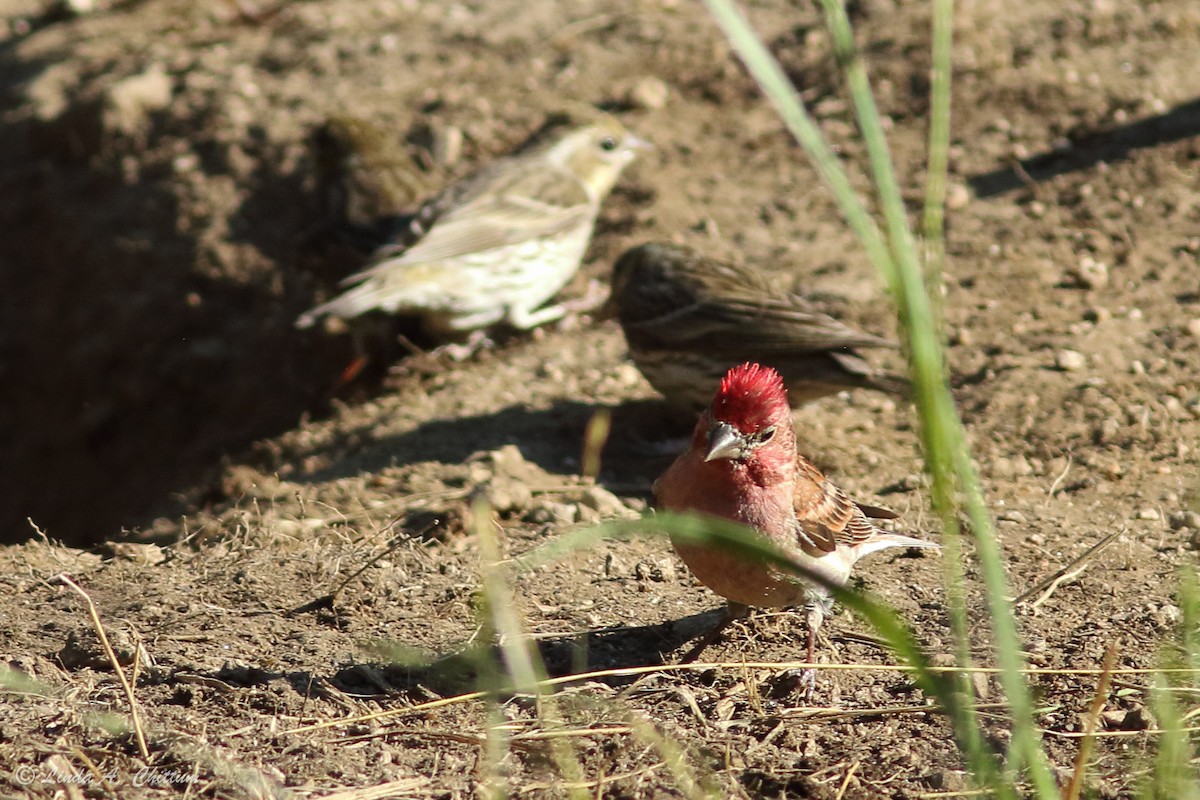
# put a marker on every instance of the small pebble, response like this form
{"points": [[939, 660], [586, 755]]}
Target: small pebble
{"points": [[957, 196], [447, 146], [1148, 514], [1004, 467], [1185, 519], [1107, 430], [649, 93], [1070, 361], [606, 504], [1193, 327], [1091, 274]]}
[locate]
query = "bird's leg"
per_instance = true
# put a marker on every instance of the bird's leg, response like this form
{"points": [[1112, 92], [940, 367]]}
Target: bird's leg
{"points": [[816, 616], [461, 351], [594, 297], [733, 612]]}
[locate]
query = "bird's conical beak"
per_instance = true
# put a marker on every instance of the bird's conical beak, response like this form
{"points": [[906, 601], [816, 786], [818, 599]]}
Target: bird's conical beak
{"points": [[724, 441], [636, 144]]}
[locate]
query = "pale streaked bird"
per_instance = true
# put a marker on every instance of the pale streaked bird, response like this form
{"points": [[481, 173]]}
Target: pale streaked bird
{"points": [[498, 245]]}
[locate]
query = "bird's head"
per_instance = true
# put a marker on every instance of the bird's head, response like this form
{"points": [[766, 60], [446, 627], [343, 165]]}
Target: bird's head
{"points": [[749, 417], [643, 284], [597, 153]]}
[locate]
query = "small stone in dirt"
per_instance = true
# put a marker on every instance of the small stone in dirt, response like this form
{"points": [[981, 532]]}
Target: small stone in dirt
{"points": [[506, 495], [1185, 519], [1193, 327], [1122, 719], [447, 146], [131, 100], [1070, 360], [1091, 274], [606, 504], [957, 196], [147, 554], [981, 684], [948, 781], [559, 514], [660, 571], [649, 93], [1018, 465], [1012, 515], [1148, 514]]}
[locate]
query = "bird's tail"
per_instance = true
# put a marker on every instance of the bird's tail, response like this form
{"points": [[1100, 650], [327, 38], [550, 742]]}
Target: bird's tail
{"points": [[352, 303], [883, 540], [893, 384]]}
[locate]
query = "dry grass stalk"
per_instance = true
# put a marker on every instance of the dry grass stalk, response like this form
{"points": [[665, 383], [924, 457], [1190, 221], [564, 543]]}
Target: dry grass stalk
{"points": [[138, 732]]}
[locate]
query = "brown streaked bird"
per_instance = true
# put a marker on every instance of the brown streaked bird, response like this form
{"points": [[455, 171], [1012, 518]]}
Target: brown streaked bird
{"points": [[688, 318], [498, 245], [365, 175], [742, 465]]}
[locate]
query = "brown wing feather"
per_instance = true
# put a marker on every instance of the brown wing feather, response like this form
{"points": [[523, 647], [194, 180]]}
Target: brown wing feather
{"points": [[875, 512], [826, 517]]}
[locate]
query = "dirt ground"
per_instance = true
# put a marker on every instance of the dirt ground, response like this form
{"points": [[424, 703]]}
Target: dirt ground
{"points": [[191, 461]]}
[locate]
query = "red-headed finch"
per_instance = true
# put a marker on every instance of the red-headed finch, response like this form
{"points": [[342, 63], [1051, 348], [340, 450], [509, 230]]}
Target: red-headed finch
{"points": [[742, 465], [497, 245], [688, 318]]}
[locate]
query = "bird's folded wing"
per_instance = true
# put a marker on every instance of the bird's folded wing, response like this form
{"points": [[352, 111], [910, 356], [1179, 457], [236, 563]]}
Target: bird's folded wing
{"points": [[826, 517], [771, 325], [509, 210]]}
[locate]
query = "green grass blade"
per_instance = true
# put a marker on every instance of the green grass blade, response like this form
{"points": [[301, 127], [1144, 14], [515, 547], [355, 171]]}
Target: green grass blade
{"points": [[1173, 774], [945, 442], [524, 663], [942, 435], [779, 90]]}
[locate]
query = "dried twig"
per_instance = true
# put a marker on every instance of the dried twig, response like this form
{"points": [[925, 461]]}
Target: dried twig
{"points": [[139, 733], [625, 672], [326, 600], [1062, 476], [1048, 585], [390, 789], [1089, 725], [846, 781]]}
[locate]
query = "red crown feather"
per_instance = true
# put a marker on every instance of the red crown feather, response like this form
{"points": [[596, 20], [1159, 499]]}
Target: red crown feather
{"points": [[751, 397]]}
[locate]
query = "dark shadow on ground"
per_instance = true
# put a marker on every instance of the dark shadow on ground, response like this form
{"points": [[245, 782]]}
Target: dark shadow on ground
{"points": [[1089, 148], [130, 364], [456, 673], [645, 437]]}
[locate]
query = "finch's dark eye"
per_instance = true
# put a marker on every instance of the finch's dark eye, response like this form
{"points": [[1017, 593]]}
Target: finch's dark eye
{"points": [[608, 143], [766, 435]]}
